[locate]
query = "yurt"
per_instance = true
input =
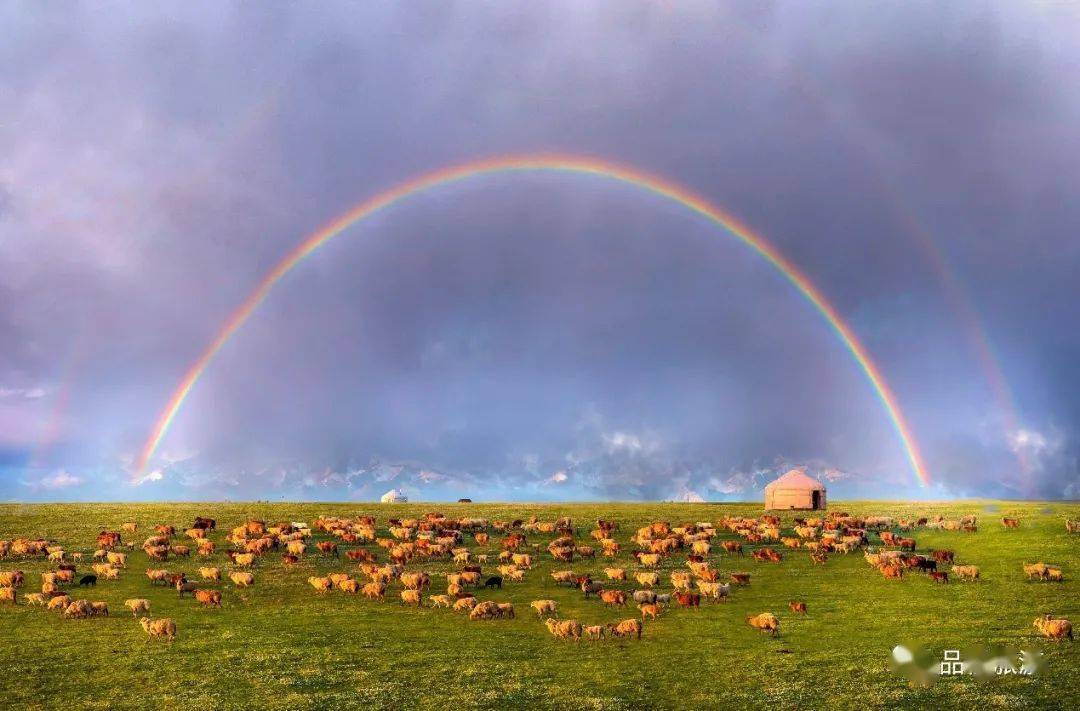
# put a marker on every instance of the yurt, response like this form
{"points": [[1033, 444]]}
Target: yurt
{"points": [[795, 490], [394, 496]]}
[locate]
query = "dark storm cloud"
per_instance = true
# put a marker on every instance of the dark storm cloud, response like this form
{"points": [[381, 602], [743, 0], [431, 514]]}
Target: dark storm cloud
{"points": [[535, 336]]}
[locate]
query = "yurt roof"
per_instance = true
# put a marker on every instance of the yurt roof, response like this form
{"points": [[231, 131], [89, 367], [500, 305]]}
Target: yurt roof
{"points": [[795, 479]]}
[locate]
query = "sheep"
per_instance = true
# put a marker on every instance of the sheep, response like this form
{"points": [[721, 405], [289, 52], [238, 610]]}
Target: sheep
{"points": [[627, 628], [242, 580], [486, 610], [465, 604], [137, 605], [157, 576], [506, 609], [374, 590], [35, 599], [244, 560], [440, 601], [563, 576], [680, 580], [210, 574], [99, 609], [566, 629], [1053, 628], [714, 590], [183, 586], [118, 560], [522, 560], [647, 579], [8, 594], [60, 602], [797, 606], [966, 572], [545, 607], [411, 597], [766, 622], [649, 610], [1054, 575], [613, 597], [1035, 570], [320, 584], [77, 609], [644, 597], [163, 627], [615, 573], [11, 578], [129, 527], [209, 598], [594, 631]]}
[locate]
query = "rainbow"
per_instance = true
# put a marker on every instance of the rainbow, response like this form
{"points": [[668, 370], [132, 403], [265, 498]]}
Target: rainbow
{"points": [[539, 163]]}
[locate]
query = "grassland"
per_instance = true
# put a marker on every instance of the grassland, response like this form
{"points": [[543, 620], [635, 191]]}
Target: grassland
{"points": [[280, 645]]}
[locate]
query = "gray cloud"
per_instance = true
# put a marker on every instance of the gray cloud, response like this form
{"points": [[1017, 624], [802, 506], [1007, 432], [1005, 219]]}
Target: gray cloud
{"points": [[156, 161]]}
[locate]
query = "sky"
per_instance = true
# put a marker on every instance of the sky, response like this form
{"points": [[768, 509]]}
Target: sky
{"points": [[538, 336]]}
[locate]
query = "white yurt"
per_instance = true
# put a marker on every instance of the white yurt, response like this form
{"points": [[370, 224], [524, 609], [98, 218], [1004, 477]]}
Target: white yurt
{"points": [[394, 496]]}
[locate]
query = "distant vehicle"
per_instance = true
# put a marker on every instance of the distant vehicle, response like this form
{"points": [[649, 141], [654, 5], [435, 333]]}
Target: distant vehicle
{"points": [[464, 501]]}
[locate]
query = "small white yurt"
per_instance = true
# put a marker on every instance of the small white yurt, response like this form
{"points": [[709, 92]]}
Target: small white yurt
{"points": [[394, 496]]}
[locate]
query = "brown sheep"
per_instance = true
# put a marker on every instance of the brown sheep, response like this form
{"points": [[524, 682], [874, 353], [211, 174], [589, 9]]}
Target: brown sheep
{"points": [[210, 574], [242, 580], [627, 628], [8, 595], [320, 584], [411, 597], [60, 602], [464, 604], [544, 607], [137, 605], [1053, 628], [650, 609], [163, 627], [374, 590], [797, 606], [766, 622], [566, 629], [594, 631], [613, 597], [209, 598], [99, 609]]}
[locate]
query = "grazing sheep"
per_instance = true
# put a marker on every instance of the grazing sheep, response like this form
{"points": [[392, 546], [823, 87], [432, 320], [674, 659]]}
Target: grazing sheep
{"points": [[35, 599], [766, 622], [644, 597], [77, 609], [440, 601], [375, 590], [242, 580], [137, 605], [11, 578], [966, 572], [649, 610], [716, 591], [615, 573], [464, 604], [566, 629], [157, 576], [60, 602], [1054, 575], [594, 631], [99, 609], [486, 610], [8, 594], [680, 580], [183, 586], [613, 597], [1054, 628], [320, 584], [627, 628], [118, 560], [506, 609], [563, 576], [163, 627], [209, 598], [544, 607], [1035, 570], [210, 574], [797, 606], [647, 579], [410, 597]]}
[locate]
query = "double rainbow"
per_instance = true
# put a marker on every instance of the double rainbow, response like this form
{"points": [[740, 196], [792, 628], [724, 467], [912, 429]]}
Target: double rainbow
{"points": [[540, 163]]}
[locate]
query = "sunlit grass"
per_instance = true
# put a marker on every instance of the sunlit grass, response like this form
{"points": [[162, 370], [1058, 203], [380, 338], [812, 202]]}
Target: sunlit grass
{"points": [[279, 645]]}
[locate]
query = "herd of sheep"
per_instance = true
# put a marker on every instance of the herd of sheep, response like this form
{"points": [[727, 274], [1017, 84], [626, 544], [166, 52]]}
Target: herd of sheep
{"points": [[472, 545]]}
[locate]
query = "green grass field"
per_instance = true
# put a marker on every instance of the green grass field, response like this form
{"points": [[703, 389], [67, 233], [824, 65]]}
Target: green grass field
{"points": [[279, 645]]}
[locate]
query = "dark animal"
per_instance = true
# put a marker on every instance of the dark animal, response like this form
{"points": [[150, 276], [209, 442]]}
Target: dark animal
{"points": [[942, 556], [927, 565], [688, 599], [495, 581], [939, 577], [88, 580], [66, 566]]}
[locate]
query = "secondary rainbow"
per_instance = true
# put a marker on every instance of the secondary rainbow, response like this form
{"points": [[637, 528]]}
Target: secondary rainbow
{"points": [[540, 163]]}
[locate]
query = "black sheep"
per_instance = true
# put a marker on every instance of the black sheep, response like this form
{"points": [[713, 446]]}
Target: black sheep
{"points": [[88, 580], [494, 581]]}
